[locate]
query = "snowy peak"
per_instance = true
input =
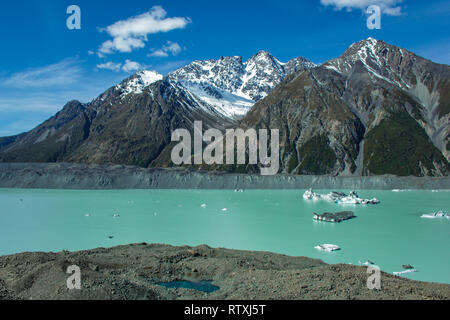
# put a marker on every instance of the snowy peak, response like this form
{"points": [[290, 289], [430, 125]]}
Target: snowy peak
{"points": [[298, 64], [263, 57], [233, 75], [224, 73], [381, 60], [138, 82], [364, 51], [233, 86]]}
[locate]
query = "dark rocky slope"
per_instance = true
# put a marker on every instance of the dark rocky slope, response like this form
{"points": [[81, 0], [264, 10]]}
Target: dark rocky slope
{"points": [[132, 273]]}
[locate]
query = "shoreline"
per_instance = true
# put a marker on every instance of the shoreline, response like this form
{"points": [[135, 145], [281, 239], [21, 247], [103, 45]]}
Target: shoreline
{"points": [[119, 177], [133, 272]]}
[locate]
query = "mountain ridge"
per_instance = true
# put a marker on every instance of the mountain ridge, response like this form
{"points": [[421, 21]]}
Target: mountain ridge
{"points": [[376, 109]]}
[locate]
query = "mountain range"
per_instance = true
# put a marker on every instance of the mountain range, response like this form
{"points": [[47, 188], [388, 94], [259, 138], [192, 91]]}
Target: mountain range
{"points": [[377, 109]]}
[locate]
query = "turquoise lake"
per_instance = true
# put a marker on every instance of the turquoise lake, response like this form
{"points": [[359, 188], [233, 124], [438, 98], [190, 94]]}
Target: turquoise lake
{"points": [[390, 234]]}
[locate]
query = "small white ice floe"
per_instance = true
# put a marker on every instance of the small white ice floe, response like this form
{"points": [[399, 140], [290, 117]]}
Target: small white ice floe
{"points": [[367, 263], [404, 272], [327, 247], [203, 205], [311, 195], [434, 215]]}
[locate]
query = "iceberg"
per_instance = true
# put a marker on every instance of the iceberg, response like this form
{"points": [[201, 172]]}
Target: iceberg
{"points": [[327, 247], [339, 197], [407, 267], [367, 263], [434, 215], [334, 217], [404, 272]]}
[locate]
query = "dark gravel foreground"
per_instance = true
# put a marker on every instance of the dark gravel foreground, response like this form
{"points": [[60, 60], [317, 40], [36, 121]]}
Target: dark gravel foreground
{"points": [[132, 273], [84, 176]]}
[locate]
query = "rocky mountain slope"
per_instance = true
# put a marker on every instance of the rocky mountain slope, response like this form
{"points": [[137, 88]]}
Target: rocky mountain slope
{"points": [[377, 109]]}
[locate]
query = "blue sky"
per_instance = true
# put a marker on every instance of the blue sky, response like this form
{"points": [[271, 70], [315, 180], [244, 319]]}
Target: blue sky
{"points": [[43, 64]]}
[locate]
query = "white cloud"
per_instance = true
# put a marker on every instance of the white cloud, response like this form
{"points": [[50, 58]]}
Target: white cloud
{"points": [[130, 66], [158, 53], [62, 73], [171, 47], [109, 66], [389, 7], [127, 66], [132, 33]]}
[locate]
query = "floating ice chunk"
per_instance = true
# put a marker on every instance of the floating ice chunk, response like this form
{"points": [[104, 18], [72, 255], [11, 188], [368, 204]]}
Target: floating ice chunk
{"points": [[404, 272], [339, 197], [327, 247], [311, 195], [367, 263], [334, 217], [407, 267], [435, 215]]}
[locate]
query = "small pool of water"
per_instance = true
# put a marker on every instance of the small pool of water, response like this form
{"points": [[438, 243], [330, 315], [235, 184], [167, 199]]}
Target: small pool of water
{"points": [[204, 286]]}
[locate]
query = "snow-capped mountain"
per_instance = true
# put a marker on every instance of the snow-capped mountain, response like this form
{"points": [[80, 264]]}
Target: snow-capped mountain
{"points": [[377, 109], [227, 86], [233, 86], [138, 82], [376, 58]]}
